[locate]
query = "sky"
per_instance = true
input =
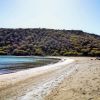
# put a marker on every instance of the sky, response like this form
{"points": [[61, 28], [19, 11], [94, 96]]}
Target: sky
{"points": [[56, 14]]}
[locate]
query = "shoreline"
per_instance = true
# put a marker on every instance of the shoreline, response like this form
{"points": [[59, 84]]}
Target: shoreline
{"points": [[10, 80], [13, 66]]}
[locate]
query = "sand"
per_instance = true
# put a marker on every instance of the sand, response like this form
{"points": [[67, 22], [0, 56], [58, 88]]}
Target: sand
{"points": [[35, 83], [72, 78], [82, 84]]}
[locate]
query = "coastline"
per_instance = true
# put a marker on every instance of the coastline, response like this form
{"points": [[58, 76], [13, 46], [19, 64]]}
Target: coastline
{"points": [[46, 75]]}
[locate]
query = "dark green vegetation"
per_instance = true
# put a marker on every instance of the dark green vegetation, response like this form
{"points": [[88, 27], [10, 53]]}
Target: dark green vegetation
{"points": [[48, 42]]}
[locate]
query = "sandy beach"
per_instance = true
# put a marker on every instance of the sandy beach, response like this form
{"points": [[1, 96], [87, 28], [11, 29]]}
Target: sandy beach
{"points": [[72, 78], [82, 84], [35, 83]]}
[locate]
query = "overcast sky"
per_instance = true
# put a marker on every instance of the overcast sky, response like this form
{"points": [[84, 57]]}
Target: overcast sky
{"points": [[57, 14]]}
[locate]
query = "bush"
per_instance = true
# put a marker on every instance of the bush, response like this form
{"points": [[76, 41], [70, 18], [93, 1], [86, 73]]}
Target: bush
{"points": [[20, 52], [94, 53], [3, 53], [71, 53], [38, 51]]}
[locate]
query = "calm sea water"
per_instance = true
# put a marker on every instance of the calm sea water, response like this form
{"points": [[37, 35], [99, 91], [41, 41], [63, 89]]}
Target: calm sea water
{"points": [[15, 59], [9, 64]]}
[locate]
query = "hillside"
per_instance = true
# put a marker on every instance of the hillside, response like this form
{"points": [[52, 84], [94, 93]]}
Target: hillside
{"points": [[48, 42]]}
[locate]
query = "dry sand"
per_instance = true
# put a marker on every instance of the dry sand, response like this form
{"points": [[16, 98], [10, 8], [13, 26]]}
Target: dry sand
{"points": [[82, 84]]}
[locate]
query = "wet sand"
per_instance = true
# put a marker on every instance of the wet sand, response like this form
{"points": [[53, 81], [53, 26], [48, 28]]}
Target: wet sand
{"points": [[82, 84]]}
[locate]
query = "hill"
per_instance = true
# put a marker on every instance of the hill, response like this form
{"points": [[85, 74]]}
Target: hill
{"points": [[48, 42]]}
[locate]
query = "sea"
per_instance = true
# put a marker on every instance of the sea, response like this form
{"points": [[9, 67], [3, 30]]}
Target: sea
{"points": [[11, 64]]}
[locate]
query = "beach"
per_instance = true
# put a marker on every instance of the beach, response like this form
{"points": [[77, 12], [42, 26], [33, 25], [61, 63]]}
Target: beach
{"points": [[82, 84], [72, 78], [35, 83]]}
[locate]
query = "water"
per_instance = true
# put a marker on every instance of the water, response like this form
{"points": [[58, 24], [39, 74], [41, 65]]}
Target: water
{"points": [[9, 64], [15, 59]]}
